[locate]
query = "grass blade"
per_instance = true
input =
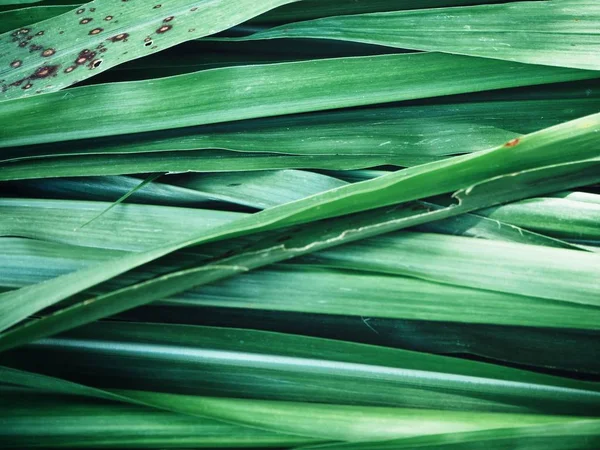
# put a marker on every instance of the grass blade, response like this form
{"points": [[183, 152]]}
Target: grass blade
{"points": [[557, 32], [238, 93]]}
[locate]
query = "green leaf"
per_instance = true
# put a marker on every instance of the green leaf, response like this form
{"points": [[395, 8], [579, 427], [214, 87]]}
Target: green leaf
{"points": [[550, 273], [335, 422], [183, 162], [107, 189], [568, 352], [556, 32], [311, 9], [407, 135], [34, 420], [476, 226], [340, 422], [252, 364], [301, 289], [62, 221], [558, 217], [258, 189], [237, 93], [583, 435]]}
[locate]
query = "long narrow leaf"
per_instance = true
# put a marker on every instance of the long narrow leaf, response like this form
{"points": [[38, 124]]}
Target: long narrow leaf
{"points": [[237, 93], [556, 32]]}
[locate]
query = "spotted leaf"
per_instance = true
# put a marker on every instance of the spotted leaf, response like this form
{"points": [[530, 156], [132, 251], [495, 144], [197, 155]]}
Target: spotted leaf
{"points": [[89, 39]]}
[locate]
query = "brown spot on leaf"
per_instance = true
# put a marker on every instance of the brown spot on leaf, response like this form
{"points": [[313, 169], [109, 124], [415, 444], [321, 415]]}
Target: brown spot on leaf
{"points": [[85, 55], [191, 30], [45, 71], [168, 19], [48, 52], [86, 20], [164, 29], [108, 18], [39, 33], [92, 9], [96, 31], [119, 37], [35, 48], [16, 63], [24, 30], [156, 6], [23, 44], [194, 8], [27, 86], [80, 11], [70, 69], [513, 143]]}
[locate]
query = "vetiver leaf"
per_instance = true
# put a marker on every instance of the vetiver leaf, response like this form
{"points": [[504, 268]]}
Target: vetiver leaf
{"points": [[570, 352], [69, 48], [554, 274], [583, 435], [259, 189], [410, 134], [107, 189], [182, 162], [310, 9], [341, 422], [300, 289], [246, 92], [252, 364], [335, 422], [476, 226], [555, 216], [556, 32], [63, 220], [34, 420]]}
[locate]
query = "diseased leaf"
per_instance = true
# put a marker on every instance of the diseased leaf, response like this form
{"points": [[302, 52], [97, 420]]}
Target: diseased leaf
{"points": [[61, 51]]}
